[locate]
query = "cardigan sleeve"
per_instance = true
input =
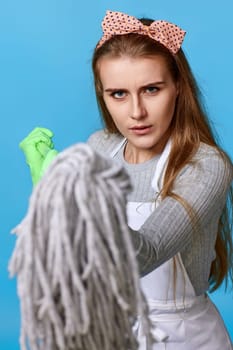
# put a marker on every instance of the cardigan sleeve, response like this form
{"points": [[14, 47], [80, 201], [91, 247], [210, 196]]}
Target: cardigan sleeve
{"points": [[170, 229]]}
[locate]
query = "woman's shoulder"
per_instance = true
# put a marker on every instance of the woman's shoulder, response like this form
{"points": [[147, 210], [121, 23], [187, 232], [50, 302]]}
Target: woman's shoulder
{"points": [[104, 142], [212, 161], [212, 154]]}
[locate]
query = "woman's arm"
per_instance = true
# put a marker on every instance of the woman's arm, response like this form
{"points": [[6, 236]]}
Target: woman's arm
{"points": [[170, 229]]}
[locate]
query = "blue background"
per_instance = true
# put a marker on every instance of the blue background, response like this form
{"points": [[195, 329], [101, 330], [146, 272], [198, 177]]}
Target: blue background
{"points": [[45, 80]]}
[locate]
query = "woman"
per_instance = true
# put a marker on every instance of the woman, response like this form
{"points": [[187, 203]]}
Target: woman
{"points": [[155, 125]]}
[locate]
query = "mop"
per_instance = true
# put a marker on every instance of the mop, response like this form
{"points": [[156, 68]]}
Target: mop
{"points": [[77, 274]]}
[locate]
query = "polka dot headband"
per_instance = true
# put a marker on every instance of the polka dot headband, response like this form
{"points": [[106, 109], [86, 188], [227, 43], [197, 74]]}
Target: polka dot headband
{"points": [[117, 23]]}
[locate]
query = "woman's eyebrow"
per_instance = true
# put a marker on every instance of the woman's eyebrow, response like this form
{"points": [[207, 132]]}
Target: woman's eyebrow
{"points": [[114, 89], [143, 86], [160, 82]]}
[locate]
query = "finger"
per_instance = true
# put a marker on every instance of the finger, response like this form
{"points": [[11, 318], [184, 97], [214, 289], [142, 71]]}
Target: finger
{"points": [[46, 131], [41, 131], [36, 132], [43, 148], [35, 139]]}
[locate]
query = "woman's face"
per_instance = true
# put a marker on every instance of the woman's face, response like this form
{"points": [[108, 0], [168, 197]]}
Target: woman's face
{"points": [[140, 95]]}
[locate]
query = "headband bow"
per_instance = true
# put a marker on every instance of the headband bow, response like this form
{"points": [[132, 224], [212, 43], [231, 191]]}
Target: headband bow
{"points": [[167, 34]]}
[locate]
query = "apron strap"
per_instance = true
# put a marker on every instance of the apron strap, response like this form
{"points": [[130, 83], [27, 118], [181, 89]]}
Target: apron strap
{"points": [[118, 147], [157, 180]]}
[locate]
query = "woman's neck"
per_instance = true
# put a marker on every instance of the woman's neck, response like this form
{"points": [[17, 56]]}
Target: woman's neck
{"points": [[134, 155]]}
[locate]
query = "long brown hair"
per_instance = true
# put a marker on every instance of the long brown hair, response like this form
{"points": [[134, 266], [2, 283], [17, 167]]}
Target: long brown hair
{"points": [[190, 126]]}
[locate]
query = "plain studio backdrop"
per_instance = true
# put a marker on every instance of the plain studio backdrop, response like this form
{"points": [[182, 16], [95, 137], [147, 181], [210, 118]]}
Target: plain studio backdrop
{"points": [[45, 80]]}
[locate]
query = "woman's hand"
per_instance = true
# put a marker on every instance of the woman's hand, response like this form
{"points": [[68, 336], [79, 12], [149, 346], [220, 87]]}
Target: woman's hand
{"points": [[39, 151]]}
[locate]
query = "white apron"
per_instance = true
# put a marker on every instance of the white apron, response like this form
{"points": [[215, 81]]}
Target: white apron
{"points": [[181, 320]]}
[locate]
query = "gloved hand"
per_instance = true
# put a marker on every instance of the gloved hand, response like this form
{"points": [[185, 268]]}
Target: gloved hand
{"points": [[39, 151]]}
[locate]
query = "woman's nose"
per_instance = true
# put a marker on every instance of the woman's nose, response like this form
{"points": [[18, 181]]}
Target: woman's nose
{"points": [[138, 110]]}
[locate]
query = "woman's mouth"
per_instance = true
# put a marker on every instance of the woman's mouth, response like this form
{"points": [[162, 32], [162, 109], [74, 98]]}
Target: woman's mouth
{"points": [[141, 130]]}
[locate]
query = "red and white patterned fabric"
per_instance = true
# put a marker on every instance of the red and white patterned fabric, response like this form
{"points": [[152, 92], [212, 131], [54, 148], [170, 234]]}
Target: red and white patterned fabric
{"points": [[117, 23]]}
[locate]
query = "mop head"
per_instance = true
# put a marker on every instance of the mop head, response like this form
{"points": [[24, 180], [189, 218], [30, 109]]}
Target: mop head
{"points": [[77, 274]]}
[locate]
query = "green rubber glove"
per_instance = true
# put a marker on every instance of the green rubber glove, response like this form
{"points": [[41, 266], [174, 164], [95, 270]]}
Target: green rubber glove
{"points": [[39, 151]]}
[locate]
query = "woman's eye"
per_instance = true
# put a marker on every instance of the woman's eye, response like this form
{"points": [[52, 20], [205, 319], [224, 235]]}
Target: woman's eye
{"points": [[118, 94], [151, 89]]}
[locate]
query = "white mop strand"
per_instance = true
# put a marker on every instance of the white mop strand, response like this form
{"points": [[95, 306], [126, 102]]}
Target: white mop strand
{"points": [[78, 279]]}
